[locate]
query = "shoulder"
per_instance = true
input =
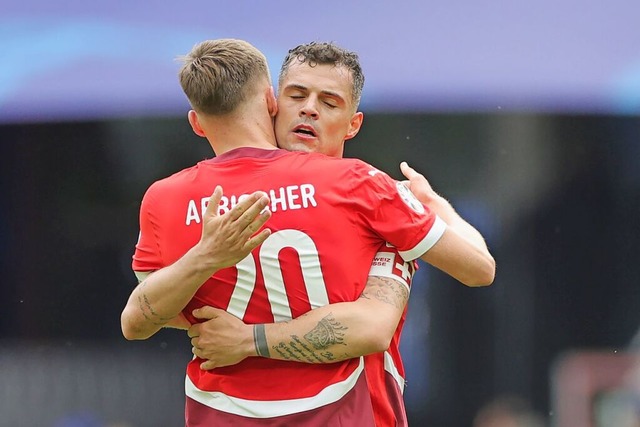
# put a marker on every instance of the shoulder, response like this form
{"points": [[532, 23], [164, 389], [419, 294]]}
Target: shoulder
{"points": [[163, 188], [368, 175], [173, 181], [348, 165]]}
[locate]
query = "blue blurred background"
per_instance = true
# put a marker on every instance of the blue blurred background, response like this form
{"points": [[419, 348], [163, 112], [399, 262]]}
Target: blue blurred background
{"points": [[526, 116]]}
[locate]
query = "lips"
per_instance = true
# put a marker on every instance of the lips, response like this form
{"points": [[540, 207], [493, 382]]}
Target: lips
{"points": [[305, 130]]}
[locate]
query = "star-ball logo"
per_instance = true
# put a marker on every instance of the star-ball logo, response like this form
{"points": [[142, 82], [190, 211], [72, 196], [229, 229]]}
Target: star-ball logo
{"points": [[407, 196]]}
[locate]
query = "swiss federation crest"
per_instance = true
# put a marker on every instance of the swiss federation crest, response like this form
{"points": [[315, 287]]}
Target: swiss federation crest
{"points": [[407, 196]]}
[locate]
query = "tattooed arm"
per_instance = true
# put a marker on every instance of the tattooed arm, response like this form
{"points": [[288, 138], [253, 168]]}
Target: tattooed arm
{"points": [[226, 239], [327, 334], [178, 322]]}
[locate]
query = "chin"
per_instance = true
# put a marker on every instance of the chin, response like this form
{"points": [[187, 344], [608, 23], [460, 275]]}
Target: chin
{"points": [[298, 146]]}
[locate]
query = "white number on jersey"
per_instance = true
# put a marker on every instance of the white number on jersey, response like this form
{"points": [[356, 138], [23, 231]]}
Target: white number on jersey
{"points": [[273, 279]]}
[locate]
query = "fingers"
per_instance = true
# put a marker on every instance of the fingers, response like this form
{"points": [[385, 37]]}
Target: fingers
{"points": [[206, 312], [247, 217], [249, 207], [255, 216], [407, 170], [208, 365], [214, 202], [194, 331], [251, 215], [257, 240]]}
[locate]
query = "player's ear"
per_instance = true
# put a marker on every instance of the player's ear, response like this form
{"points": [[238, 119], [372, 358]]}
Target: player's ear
{"points": [[272, 103], [195, 123], [354, 125]]}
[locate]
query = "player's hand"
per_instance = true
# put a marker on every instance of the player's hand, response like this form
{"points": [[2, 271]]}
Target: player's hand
{"points": [[418, 184], [227, 239], [222, 339]]}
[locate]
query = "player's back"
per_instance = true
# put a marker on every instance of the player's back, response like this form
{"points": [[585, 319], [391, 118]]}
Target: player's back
{"points": [[327, 223]]}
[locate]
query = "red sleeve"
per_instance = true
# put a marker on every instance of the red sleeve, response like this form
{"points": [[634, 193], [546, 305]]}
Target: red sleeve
{"points": [[394, 212], [147, 256]]}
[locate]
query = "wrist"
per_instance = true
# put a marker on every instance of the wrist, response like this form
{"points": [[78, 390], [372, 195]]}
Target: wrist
{"points": [[260, 340], [201, 261]]}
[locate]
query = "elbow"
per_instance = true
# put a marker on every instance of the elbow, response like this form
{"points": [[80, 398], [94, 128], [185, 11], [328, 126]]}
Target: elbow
{"points": [[484, 275], [130, 329], [130, 335], [378, 344], [380, 338], [479, 282], [372, 324], [382, 344]]}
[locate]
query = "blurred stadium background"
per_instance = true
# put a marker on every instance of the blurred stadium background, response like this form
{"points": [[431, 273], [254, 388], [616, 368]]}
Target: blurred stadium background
{"points": [[526, 116]]}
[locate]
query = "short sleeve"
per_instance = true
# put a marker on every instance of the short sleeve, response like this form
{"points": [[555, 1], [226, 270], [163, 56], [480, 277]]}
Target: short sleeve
{"points": [[396, 215], [147, 256]]}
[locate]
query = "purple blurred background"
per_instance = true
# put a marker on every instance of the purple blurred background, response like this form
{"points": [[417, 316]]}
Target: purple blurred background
{"points": [[75, 59]]}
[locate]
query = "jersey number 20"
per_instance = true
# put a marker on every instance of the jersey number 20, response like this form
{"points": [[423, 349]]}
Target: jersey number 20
{"points": [[273, 279]]}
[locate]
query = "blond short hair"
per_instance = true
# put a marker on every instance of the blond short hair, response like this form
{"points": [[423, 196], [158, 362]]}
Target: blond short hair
{"points": [[218, 75]]}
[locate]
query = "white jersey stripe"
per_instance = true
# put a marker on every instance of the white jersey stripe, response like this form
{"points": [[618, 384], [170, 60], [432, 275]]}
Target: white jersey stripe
{"points": [[437, 230], [390, 367], [270, 408]]}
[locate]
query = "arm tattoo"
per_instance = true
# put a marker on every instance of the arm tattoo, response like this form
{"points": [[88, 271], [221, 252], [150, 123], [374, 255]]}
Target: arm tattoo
{"points": [[148, 311], [320, 343], [327, 332], [315, 346], [386, 290]]}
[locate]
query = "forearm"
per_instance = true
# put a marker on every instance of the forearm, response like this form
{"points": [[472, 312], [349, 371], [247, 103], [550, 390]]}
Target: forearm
{"points": [[340, 331], [226, 239], [445, 210], [466, 262], [332, 337], [462, 251], [159, 298]]}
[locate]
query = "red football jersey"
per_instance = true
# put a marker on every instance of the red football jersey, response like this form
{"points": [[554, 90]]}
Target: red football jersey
{"points": [[330, 216], [385, 371]]}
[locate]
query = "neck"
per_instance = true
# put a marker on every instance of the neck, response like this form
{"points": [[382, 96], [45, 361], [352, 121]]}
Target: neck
{"points": [[238, 134], [251, 126]]}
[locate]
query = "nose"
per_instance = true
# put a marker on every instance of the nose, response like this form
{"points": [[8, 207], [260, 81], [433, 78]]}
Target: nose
{"points": [[309, 108]]}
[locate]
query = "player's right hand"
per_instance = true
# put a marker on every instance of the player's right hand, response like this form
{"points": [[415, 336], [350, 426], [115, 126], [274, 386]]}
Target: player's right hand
{"points": [[228, 238], [221, 339]]}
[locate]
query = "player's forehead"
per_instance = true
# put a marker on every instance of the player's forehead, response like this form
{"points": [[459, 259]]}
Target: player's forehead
{"points": [[319, 78]]}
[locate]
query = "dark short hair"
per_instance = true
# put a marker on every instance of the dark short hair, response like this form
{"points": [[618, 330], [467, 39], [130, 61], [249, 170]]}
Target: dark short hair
{"points": [[326, 53]]}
